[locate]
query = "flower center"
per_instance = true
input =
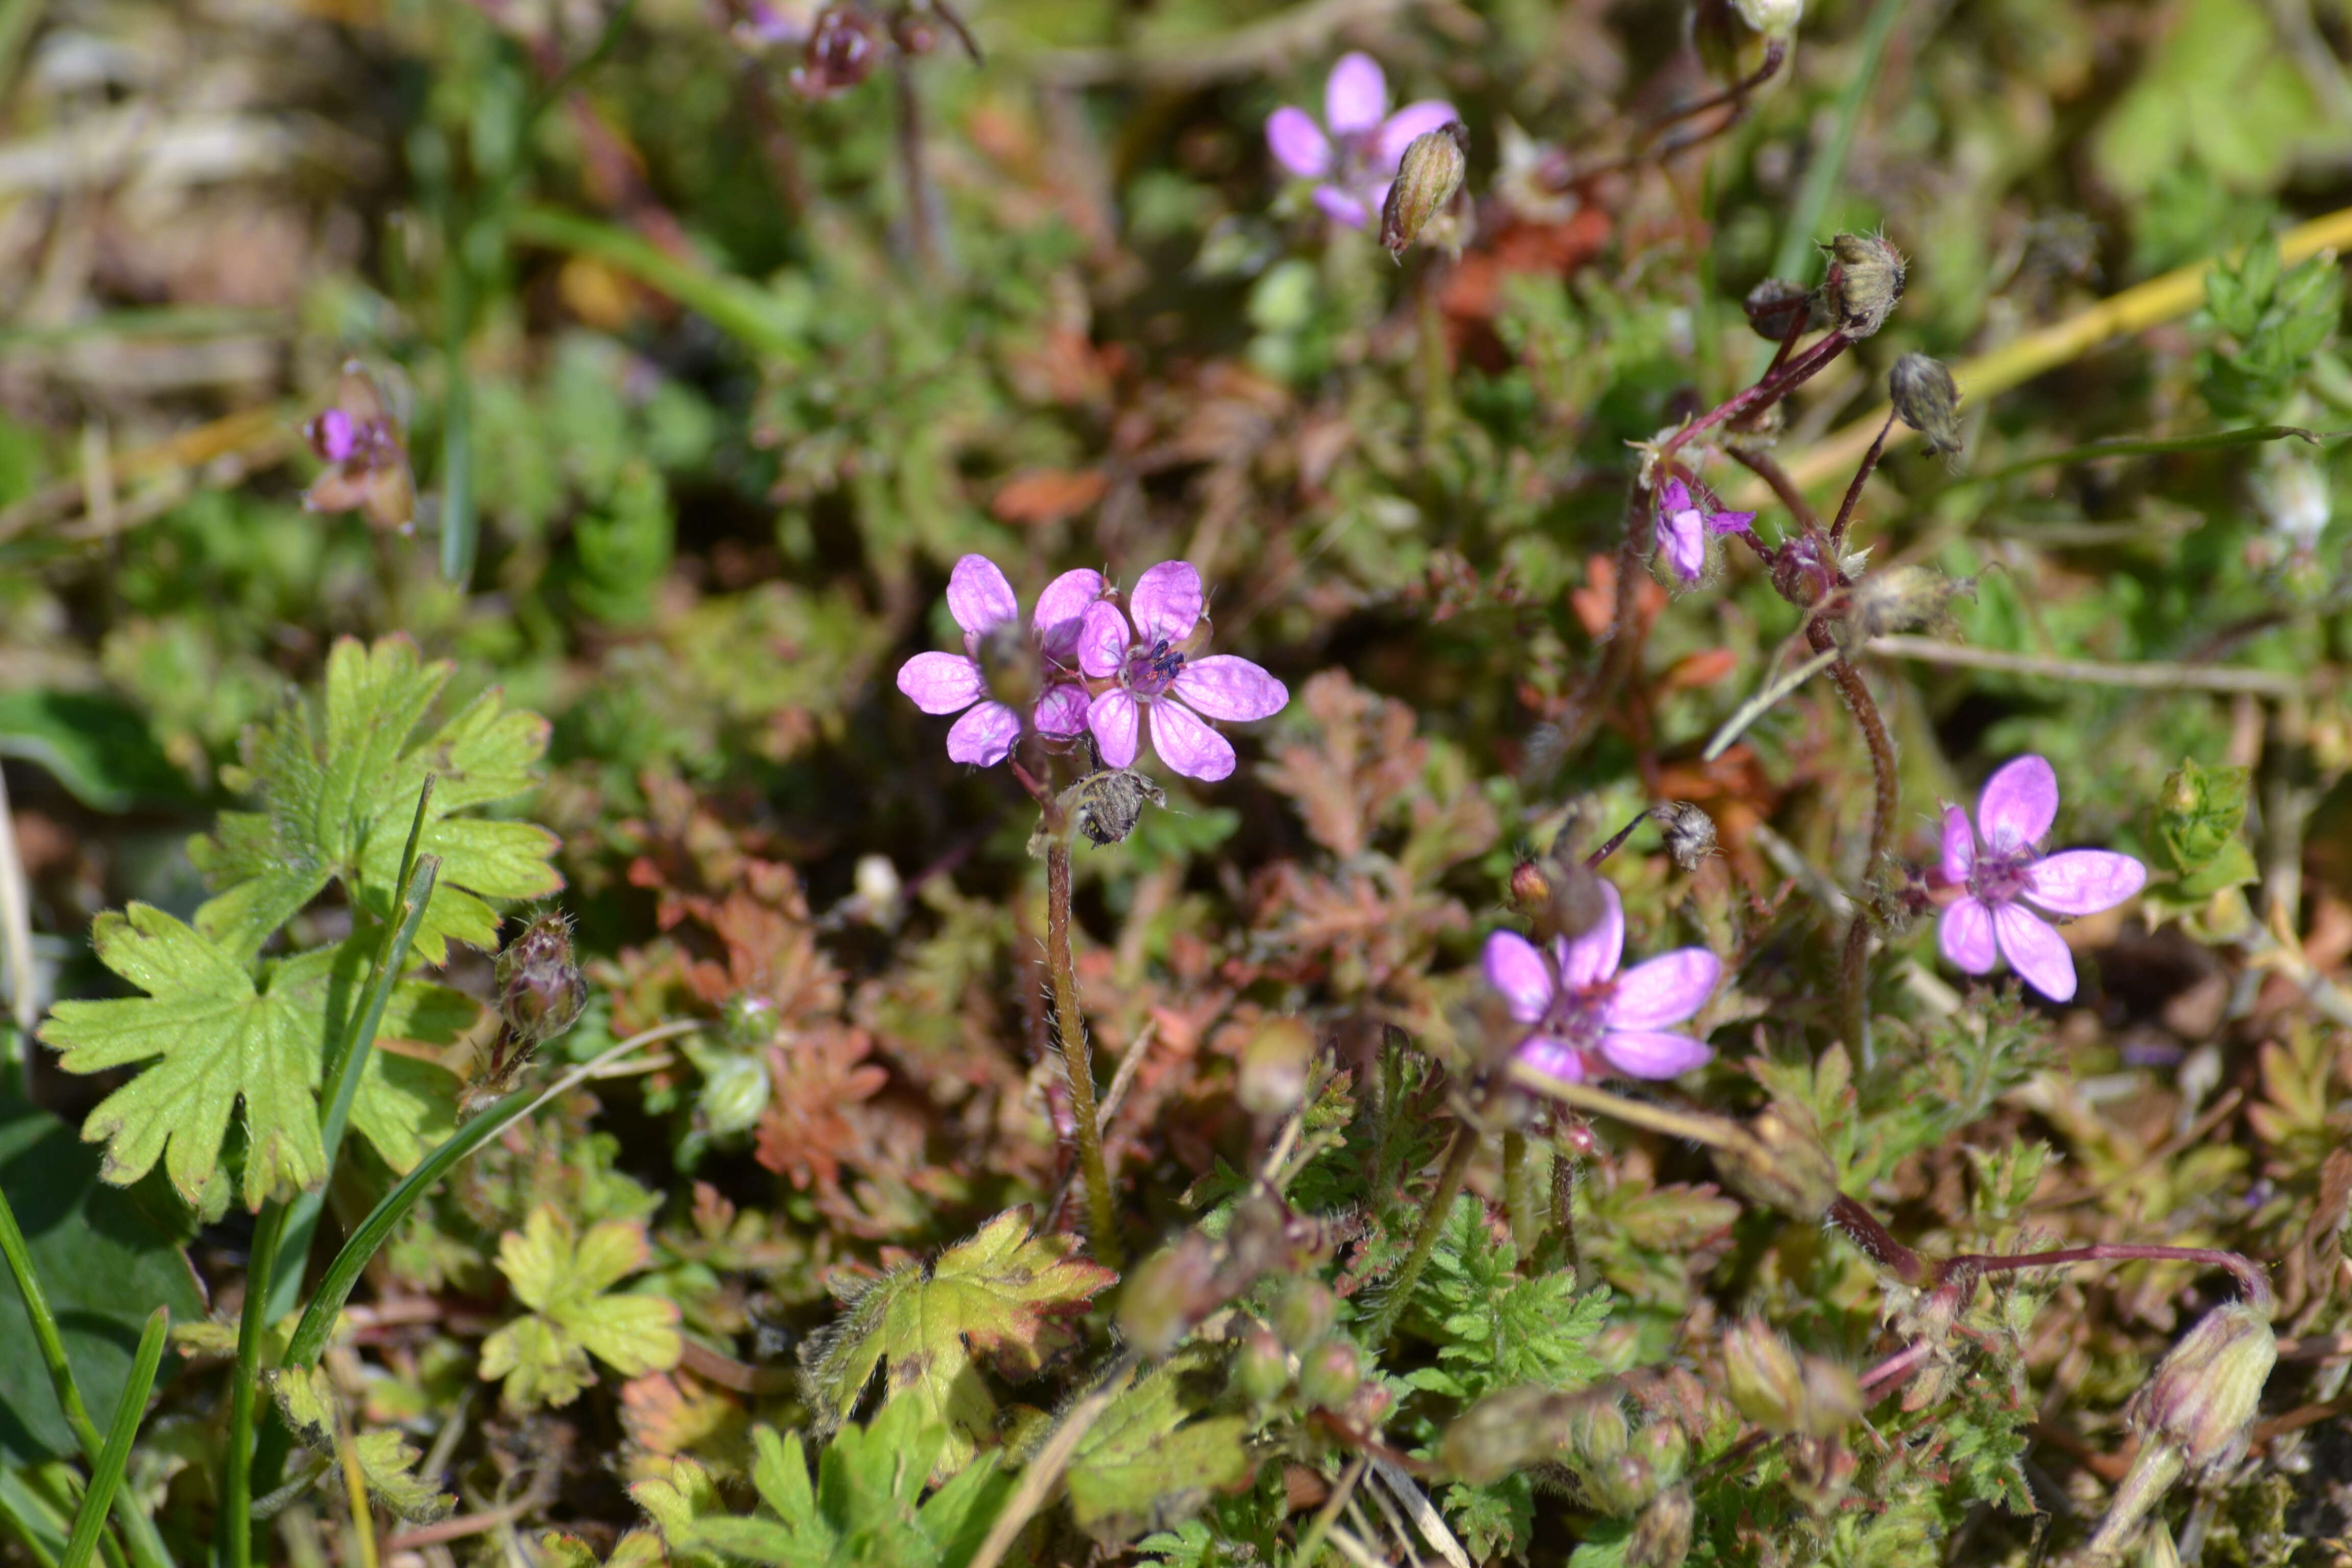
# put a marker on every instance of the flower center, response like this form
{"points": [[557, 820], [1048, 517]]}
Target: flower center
{"points": [[1149, 673], [1579, 1015], [1999, 879]]}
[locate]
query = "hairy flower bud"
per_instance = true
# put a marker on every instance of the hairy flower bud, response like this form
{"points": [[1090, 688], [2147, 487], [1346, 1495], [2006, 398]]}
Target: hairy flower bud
{"points": [[1274, 1066], [1508, 1430], [1689, 832], [1168, 1293], [1780, 1164], [1662, 1531], [1865, 281], [1304, 1315], [1428, 177], [541, 990], [1767, 1386], [1777, 307], [1328, 1374], [2203, 1396], [1530, 890], [1262, 1370], [1597, 1433], [1899, 599], [1928, 400]]}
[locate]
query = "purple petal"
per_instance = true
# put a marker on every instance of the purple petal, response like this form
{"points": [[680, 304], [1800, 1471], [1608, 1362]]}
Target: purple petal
{"points": [[984, 736], [1342, 207], [979, 597], [1166, 602], [1299, 143], [332, 436], [1102, 640], [1959, 847], [1556, 1057], [1652, 1053], [1114, 720], [1729, 521], [1592, 957], [1686, 547], [942, 682], [1189, 746], [1966, 934], [1355, 96], [1062, 712], [1413, 121], [1064, 604], [2019, 804], [2083, 881], [2036, 950], [1674, 496], [1666, 990], [1224, 687], [1516, 969]]}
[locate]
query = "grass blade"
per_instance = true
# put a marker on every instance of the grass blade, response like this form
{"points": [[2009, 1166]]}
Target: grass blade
{"points": [[106, 1475]]}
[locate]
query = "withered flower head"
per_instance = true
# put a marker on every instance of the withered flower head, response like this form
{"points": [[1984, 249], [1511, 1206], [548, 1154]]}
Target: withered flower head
{"points": [[1106, 805], [1899, 599], [541, 990], [1428, 178], [1864, 282], [1776, 306], [1926, 400], [1689, 832]]}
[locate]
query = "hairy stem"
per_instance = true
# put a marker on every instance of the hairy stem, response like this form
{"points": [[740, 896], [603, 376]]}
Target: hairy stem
{"points": [[1458, 1155], [1968, 1266], [1075, 1054], [1853, 986], [1877, 1242], [1854, 491], [1762, 466], [1519, 1194]]}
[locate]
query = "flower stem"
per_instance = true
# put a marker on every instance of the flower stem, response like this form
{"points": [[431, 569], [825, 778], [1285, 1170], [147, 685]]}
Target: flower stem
{"points": [[1854, 988], [1967, 1267], [1519, 1196], [1071, 1024], [1877, 1242], [1458, 1155]]}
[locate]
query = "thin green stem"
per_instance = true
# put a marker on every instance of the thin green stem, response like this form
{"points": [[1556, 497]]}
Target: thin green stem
{"points": [[335, 1286], [106, 1474], [1077, 1056], [1823, 175], [245, 1389], [1458, 1155], [52, 1344], [1519, 1196]]}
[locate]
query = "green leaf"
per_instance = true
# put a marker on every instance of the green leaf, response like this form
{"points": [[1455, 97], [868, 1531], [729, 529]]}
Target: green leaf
{"points": [[544, 1356], [1153, 1459], [2199, 822], [306, 1397], [212, 1037], [1004, 1293], [337, 791], [105, 1259], [866, 1509], [1495, 1329]]}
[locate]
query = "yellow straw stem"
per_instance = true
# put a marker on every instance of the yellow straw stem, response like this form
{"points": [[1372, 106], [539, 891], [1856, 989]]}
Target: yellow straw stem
{"points": [[2176, 293]]}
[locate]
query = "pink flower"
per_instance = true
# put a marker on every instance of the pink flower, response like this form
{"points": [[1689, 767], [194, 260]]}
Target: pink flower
{"points": [[1355, 162], [1151, 671], [983, 604], [1589, 1020], [358, 438], [1684, 529], [2005, 873]]}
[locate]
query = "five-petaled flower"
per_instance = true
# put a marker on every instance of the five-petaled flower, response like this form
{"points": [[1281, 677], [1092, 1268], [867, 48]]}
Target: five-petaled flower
{"points": [[1683, 528], [2005, 871], [983, 604], [1155, 669], [1357, 159], [1588, 1019]]}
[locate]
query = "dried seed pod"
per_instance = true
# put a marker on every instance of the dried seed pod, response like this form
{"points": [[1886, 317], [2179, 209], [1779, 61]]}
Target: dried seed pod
{"points": [[1689, 832], [1897, 600], [1926, 400], [1106, 805], [1428, 176], [1864, 282]]}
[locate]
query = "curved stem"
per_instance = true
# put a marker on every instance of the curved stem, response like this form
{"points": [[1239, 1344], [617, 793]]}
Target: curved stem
{"points": [[1077, 1055]]}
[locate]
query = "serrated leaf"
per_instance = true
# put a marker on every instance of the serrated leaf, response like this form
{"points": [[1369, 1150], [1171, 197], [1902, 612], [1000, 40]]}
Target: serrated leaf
{"points": [[1004, 1293], [676, 1504], [211, 1039], [865, 1508], [1152, 1460], [306, 1397], [543, 1356], [1495, 1329], [339, 790]]}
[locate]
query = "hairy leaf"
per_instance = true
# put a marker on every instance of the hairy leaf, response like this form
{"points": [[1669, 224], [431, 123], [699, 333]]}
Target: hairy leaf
{"points": [[1004, 1293], [213, 1036], [339, 790], [1153, 1458]]}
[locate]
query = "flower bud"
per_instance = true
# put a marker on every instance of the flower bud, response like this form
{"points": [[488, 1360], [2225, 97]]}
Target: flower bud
{"points": [[1274, 1066], [1428, 176], [734, 1088], [1262, 1370], [1330, 1374], [1304, 1314], [1168, 1293], [541, 990], [1767, 1385], [2203, 1396], [1926, 399], [878, 891], [1780, 1164], [1777, 307], [1596, 1432], [1621, 1485], [1865, 280], [1773, 18], [1530, 890], [1689, 832], [1662, 1532]]}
